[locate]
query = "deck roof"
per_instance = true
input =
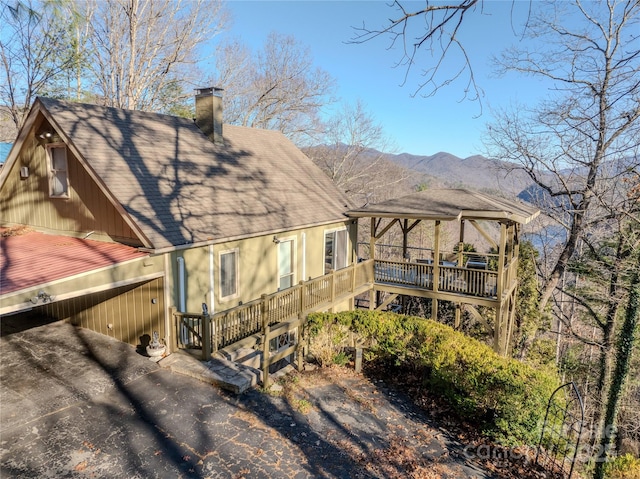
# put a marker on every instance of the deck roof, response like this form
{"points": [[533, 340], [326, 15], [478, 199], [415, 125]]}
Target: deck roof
{"points": [[449, 205]]}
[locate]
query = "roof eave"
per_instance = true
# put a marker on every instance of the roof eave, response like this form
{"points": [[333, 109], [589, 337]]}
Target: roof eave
{"points": [[500, 215], [531, 217], [387, 214], [199, 244]]}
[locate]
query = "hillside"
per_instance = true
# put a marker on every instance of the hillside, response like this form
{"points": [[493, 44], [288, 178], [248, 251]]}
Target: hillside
{"points": [[445, 170], [475, 172]]}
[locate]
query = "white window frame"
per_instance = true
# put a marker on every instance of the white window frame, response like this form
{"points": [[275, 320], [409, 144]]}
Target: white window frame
{"points": [[236, 292], [294, 253], [53, 173], [333, 259]]}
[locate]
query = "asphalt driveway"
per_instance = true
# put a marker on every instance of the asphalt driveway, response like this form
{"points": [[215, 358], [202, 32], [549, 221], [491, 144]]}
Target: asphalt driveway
{"points": [[74, 403]]}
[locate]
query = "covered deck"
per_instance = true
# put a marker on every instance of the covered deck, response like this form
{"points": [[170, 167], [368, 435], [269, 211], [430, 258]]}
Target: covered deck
{"points": [[468, 279], [465, 280]]}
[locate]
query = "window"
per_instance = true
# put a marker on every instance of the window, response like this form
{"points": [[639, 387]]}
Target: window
{"points": [[335, 250], [286, 251], [228, 274], [58, 175]]}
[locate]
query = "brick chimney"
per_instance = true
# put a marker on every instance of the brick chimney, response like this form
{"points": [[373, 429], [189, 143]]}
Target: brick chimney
{"points": [[209, 113]]}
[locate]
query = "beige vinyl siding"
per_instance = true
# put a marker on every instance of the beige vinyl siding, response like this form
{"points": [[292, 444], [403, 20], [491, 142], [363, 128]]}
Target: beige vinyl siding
{"points": [[129, 309], [258, 266], [87, 209], [196, 281]]}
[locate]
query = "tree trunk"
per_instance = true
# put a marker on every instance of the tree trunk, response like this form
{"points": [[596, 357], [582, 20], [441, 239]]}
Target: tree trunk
{"points": [[608, 341], [623, 361], [602, 387], [577, 228]]}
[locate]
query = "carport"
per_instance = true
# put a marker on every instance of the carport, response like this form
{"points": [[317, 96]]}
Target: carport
{"points": [[110, 288]]}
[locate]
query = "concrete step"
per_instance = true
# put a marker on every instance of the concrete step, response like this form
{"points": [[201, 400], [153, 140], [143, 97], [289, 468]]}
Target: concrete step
{"points": [[235, 368], [226, 374], [245, 356]]}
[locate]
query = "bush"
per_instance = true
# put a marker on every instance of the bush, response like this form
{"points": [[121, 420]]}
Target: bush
{"points": [[623, 467], [507, 397], [542, 353], [329, 343]]}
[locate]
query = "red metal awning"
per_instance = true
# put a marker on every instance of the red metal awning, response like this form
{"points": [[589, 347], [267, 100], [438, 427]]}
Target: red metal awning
{"points": [[30, 258]]}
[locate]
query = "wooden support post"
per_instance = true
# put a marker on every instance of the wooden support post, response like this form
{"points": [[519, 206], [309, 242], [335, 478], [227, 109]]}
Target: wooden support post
{"points": [[405, 234], [372, 239], [501, 313], [353, 277], [515, 253], [436, 257], [497, 328], [332, 279], [516, 241], [266, 330], [303, 306], [354, 273], [176, 333], [436, 270], [456, 321], [299, 360], [206, 337], [358, 359], [511, 320], [461, 245]]}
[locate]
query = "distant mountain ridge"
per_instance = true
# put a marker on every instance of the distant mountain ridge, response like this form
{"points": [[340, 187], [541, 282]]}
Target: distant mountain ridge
{"points": [[475, 172], [445, 170]]}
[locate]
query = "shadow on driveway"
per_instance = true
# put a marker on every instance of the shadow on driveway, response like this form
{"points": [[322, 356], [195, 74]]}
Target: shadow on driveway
{"points": [[78, 403]]}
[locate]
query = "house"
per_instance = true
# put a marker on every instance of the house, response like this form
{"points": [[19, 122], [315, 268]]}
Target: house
{"points": [[111, 217]]}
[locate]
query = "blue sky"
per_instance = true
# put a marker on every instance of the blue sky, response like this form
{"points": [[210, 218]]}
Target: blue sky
{"points": [[418, 125]]}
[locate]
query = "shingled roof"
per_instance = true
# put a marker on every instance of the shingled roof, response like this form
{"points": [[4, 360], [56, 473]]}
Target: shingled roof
{"points": [[180, 188], [449, 205]]}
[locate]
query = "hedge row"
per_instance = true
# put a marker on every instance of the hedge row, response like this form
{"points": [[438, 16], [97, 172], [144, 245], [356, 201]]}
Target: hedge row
{"points": [[507, 397]]}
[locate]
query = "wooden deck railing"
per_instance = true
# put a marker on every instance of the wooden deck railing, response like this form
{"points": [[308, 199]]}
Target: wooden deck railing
{"points": [[227, 327], [211, 333], [451, 279]]}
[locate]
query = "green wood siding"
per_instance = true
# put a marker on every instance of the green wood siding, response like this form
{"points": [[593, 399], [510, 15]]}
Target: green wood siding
{"points": [[87, 209], [133, 312]]}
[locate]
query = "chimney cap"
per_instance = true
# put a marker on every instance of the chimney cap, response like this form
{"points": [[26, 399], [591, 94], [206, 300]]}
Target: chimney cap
{"points": [[212, 90]]}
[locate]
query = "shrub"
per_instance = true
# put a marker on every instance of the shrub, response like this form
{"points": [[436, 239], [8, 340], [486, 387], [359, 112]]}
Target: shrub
{"points": [[329, 343], [623, 467], [542, 353], [341, 359], [507, 397]]}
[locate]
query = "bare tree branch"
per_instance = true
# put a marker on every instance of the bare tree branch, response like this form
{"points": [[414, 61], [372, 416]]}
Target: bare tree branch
{"points": [[276, 88], [352, 151], [433, 28], [35, 47], [144, 51]]}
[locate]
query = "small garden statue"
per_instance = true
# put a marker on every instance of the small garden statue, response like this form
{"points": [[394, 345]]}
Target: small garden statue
{"points": [[155, 349]]}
